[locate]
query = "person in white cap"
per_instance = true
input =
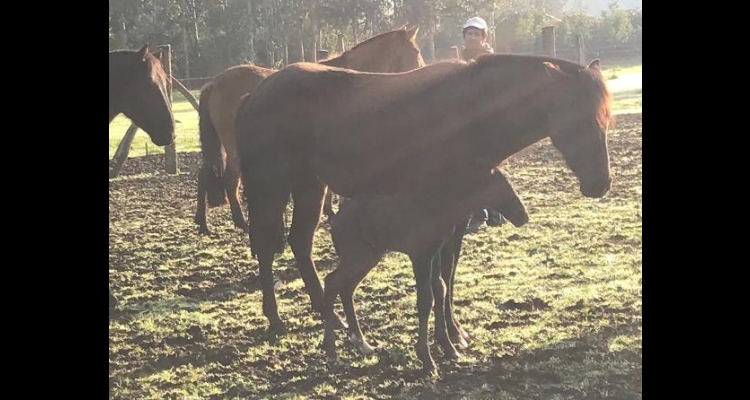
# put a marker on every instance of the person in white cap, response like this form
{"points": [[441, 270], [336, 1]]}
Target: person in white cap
{"points": [[475, 44], [475, 39]]}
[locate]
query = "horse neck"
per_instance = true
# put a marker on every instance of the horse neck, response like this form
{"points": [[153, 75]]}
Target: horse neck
{"points": [[116, 86], [360, 59], [524, 121], [338, 61]]}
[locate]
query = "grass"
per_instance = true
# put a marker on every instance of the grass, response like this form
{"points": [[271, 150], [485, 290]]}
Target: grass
{"points": [[628, 98], [554, 308]]}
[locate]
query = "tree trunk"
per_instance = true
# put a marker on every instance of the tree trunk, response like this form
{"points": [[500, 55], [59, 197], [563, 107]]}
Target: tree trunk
{"points": [[251, 31], [185, 46]]}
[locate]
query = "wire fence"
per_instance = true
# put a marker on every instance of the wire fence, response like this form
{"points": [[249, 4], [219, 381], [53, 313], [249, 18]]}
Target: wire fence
{"points": [[608, 55]]}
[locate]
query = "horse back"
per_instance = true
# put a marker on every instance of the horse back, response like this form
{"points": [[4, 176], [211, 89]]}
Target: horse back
{"points": [[227, 90]]}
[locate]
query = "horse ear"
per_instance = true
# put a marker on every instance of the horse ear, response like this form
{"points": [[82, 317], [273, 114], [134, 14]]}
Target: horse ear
{"points": [[595, 65], [143, 51], [553, 70], [411, 33]]}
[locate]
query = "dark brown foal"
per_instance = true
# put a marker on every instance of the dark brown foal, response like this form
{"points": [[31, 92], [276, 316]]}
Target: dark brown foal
{"points": [[418, 224]]}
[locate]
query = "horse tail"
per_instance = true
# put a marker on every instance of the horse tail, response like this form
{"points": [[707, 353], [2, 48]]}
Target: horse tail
{"points": [[214, 162]]}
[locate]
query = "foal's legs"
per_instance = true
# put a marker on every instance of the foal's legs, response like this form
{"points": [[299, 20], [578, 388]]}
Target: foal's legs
{"points": [[347, 299], [450, 254], [232, 185], [343, 281], [422, 265], [439, 289], [308, 195]]}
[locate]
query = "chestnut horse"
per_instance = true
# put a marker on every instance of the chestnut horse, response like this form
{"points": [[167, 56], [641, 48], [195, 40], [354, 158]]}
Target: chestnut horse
{"points": [[219, 177], [310, 126], [138, 89]]}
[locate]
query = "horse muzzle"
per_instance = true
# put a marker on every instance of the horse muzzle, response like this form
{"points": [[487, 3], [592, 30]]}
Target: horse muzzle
{"points": [[598, 189]]}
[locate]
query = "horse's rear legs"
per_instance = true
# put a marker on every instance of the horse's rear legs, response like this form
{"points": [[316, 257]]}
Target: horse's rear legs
{"points": [[308, 201], [200, 212], [266, 240], [232, 184]]}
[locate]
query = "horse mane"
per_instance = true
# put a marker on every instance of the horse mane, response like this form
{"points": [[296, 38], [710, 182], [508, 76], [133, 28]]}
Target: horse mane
{"points": [[153, 64], [334, 60], [590, 80]]}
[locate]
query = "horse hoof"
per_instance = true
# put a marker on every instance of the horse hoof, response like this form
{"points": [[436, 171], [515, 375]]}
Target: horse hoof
{"points": [[331, 354], [459, 341], [278, 328], [430, 370], [453, 355], [243, 227], [365, 348], [339, 323], [464, 335], [204, 231]]}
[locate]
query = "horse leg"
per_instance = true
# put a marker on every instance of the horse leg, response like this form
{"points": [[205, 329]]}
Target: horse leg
{"points": [[267, 239], [334, 282], [328, 204], [347, 299], [232, 185], [339, 283], [449, 262], [308, 196], [200, 212], [422, 265], [448, 270], [439, 289], [112, 300]]}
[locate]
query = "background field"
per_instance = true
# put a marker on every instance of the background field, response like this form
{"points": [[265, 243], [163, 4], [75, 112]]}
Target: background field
{"points": [[624, 78], [554, 308]]}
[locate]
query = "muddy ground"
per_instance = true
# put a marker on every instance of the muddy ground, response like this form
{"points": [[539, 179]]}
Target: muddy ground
{"points": [[554, 308]]}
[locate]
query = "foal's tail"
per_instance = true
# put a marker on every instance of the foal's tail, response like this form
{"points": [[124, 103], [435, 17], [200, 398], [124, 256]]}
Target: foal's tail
{"points": [[214, 162]]}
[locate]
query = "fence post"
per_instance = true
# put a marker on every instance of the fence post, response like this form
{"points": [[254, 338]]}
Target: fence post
{"points": [[580, 49], [170, 151], [548, 41], [121, 155], [342, 44]]}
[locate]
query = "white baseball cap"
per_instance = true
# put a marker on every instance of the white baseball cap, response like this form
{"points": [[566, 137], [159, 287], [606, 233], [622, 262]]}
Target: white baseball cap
{"points": [[476, 22]]}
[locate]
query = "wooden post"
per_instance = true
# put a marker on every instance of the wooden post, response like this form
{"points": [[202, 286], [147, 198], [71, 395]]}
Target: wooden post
{"points": [[455, 53], [121, 155], [548, 41], [286, 51], [185, 92], [170, 151], [580, 49], [342, 43], [316, 45]]}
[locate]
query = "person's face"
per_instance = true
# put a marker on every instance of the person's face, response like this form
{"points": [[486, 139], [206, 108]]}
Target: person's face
{"points": [[473, 37]]}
